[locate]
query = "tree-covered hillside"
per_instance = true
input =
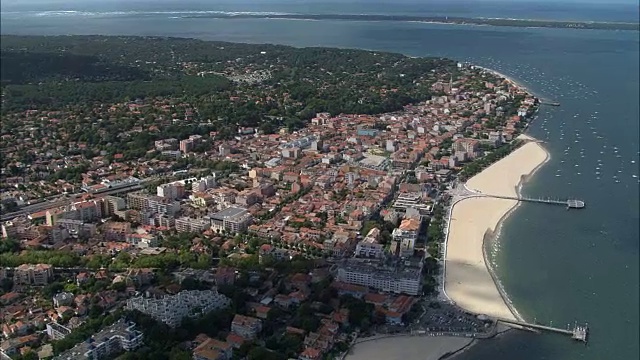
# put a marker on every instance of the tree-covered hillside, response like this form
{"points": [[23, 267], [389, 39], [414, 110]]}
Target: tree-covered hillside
{"points": [[224, 85]]}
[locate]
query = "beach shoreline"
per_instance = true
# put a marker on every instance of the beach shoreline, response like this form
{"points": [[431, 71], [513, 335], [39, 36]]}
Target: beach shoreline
{"points": [[447, 347], [491, 232], [509, 79], [494, 236], [459, 232]]}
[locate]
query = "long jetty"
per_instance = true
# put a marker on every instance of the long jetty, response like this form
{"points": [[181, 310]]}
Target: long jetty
{"points": [[549, 102], [570, 203], [579, 332]]}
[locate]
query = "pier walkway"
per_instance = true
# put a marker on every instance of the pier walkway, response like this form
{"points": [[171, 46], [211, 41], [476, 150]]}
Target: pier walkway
{"points": [[549, 102], [462, 191], [579, 332], [570, 203]]}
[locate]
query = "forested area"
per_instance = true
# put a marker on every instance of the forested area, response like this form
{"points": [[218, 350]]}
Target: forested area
{"points": [[53, 72], [18, 67], [117, 95]]}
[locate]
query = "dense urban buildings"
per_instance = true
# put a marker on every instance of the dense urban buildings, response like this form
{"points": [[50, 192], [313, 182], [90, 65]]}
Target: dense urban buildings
{"points": [[162, 195], [172, 309]]}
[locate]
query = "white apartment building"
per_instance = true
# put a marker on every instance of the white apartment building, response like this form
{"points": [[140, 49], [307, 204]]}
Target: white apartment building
{"points": [[404, 237], [203, 184], [38, 274], [112, 204], [246, 326], [273, 252], [137, 200], [56, 331], [369, 248], [168, 191], [187, 224], [172, 309], [152, 204], [163, 205], [403, 243], [84, 210], [112, 339], [88, 210], [143, 240], [411, 200], [395, 278], [232, 219], [176, 189]]}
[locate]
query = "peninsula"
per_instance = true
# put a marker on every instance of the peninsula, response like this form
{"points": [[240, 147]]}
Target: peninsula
{"points": [[220, 200], [599, 25]]}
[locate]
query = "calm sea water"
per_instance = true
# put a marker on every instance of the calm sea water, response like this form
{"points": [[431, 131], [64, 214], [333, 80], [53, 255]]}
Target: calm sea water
{"points": [[557, 265]]}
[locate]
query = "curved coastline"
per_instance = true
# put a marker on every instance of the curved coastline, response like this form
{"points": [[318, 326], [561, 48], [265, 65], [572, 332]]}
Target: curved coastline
{"points": [[498, 303], [493, 236], [448, 348], [509, 79], [456, 349]]}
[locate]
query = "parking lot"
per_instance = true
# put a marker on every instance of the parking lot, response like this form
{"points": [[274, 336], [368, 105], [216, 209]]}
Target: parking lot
{"points": [[442, 317]]}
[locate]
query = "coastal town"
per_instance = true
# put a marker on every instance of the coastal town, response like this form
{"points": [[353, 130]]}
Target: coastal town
{"points": [[291, 243]]}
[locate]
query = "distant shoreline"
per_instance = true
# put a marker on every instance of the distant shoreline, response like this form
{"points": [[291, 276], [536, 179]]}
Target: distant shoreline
{"points": [[524, 23]]}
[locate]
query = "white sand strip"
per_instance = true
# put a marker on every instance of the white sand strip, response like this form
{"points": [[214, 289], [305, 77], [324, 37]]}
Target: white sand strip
{"points": [[467, 278], [468, 281]]}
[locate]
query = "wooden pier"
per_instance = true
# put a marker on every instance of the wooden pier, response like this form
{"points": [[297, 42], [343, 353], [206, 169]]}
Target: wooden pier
{"points": [[570, 203], [579, 332], [549, 102]]}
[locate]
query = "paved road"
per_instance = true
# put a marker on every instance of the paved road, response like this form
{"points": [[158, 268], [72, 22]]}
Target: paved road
{"points": [[29, 209]]}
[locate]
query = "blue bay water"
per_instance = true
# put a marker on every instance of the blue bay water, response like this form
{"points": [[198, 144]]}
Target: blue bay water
{"points": [[557, 265]]}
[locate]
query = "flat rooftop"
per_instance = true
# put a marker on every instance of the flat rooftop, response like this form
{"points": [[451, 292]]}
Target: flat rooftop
{"points": [[409, 270], [119, 328], [373, 160], [230, 212]]}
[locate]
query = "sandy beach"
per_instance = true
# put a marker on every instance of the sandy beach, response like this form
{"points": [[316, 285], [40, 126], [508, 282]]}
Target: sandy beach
{"points": [[509, 79], [408, 348], [468, 281]]}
